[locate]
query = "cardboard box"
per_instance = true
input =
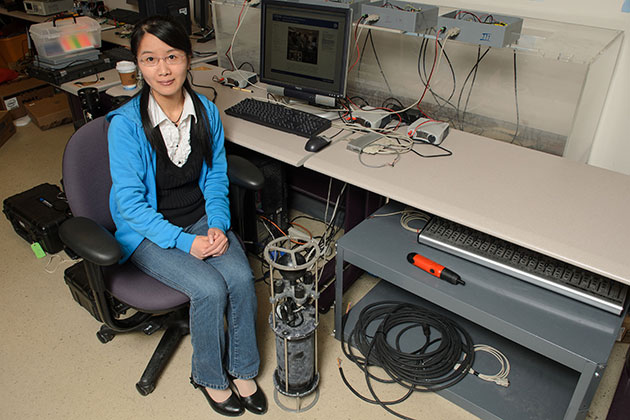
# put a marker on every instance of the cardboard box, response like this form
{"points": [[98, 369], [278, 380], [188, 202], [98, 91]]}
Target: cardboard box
{"points": [[7, 129], [12, 49], [15, 94], [50, 112]]}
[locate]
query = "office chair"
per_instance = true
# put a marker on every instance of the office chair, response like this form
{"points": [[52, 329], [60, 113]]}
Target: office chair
{"points": [[119, 290]]}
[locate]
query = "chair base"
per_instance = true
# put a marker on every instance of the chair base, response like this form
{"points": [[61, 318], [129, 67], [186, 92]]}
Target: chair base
{"points": [[176, 326]]}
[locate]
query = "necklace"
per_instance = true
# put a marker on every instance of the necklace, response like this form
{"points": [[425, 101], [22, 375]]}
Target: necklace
{"points": [[176, 122]]}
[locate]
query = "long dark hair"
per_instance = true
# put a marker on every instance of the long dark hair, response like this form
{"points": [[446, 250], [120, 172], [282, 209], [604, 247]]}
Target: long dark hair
{"points": [[169, 31]]}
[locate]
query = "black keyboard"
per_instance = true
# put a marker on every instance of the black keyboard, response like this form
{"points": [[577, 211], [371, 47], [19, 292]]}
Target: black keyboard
{"points": [[117, 54], [126, 16], [531, 266], [279, 117]]}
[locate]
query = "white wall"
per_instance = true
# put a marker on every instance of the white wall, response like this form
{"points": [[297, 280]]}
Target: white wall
{"points": [[611, 146]]}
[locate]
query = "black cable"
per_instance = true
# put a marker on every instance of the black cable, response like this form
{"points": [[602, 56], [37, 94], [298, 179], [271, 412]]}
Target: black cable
{"points": [[473, 70], [388, 102], [302, 216], [192, 82], [295, 323], [362, 99], [380, 67], [447, 151], [422, 54], [450, 66], [439, 363], [472, 84], [248, 63], [362, 51], [369, 35], [336, 134], [516, 101], [426, 142]]}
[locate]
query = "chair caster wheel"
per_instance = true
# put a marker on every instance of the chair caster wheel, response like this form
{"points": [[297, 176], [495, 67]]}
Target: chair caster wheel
{"points": [[104, 336], [145, 389]]}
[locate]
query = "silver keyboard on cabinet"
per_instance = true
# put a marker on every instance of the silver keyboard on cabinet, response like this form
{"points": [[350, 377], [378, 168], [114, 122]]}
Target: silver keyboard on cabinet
{"points": [[530, 266]]}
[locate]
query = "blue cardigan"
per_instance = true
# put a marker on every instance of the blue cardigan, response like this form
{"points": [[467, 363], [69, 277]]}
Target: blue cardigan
{"points": [[133, 197]]}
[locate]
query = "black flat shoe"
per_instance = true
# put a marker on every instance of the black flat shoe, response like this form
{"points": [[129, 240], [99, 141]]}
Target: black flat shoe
{"points": [[255, 403], [231, 407]]}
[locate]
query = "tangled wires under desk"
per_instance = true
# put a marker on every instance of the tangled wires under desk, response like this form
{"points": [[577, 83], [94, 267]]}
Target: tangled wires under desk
{"points": [[382, 333]]}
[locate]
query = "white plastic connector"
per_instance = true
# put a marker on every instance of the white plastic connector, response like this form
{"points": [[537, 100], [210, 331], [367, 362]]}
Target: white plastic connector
{"points": [[371, 19], [452, 32], [504, 382], [253, 3]]}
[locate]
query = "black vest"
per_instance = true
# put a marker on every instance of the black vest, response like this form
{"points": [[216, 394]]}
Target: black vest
{"points": [[179, 197]]}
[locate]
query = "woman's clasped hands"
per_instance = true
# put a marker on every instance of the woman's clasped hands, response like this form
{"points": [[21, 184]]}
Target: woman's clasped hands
{"points": [[212, 245]]}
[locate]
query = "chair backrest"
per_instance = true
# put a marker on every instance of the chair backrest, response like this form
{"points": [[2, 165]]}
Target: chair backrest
{"points": [[86, 177]]}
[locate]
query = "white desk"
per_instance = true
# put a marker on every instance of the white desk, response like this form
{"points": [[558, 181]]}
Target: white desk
{"points": [[107, 79], [573, 212]]}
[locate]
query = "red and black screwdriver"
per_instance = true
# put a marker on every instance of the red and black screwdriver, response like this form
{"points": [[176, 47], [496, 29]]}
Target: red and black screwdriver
{"points": [[434, 268]]}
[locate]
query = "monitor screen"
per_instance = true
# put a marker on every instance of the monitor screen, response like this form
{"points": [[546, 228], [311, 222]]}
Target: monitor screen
{"points": [[304, 48], [178, 9]]}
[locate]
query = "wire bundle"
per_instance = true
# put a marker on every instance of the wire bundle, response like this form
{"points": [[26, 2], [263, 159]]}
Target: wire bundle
{"points": [[499, 378], [439, 363], [408, 216]]}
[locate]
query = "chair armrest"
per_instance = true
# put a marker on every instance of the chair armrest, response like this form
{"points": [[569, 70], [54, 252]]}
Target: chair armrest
{"points": [[245, 174], [90, 241]]}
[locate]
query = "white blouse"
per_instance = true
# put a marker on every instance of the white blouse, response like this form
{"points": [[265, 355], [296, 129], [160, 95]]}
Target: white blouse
{"points": [[176, 137]]}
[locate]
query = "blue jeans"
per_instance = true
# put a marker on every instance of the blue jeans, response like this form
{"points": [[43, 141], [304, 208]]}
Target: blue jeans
{"points": [[217, 287]]}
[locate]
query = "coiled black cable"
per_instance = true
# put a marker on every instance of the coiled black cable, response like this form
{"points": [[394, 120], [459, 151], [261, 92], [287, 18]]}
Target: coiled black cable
{"points": [[439, 363]]}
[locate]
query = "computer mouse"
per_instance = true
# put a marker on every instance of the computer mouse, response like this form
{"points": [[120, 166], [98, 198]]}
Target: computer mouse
{"points": [[316, 143]]}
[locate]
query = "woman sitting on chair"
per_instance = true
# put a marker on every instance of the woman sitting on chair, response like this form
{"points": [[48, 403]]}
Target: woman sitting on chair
{"points": [[169, 202]]}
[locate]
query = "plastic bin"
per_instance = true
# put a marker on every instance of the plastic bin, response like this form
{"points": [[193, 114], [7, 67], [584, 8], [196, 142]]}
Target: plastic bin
{"points": [[66, 36]]}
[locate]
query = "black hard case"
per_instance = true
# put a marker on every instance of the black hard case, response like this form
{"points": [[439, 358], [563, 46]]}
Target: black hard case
{"points": [[76, 279], [35, 221]]}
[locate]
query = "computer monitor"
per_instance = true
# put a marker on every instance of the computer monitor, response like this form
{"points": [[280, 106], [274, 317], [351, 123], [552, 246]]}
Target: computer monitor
{"points": [[304, 50], [178, 9], [201, 16]]}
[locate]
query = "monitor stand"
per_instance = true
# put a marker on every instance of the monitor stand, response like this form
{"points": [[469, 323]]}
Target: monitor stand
{"points": [[320, 111], [205, 34]]}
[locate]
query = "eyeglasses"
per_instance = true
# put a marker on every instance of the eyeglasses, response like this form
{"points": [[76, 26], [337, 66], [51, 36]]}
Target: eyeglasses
{"points": [[171, 60]]}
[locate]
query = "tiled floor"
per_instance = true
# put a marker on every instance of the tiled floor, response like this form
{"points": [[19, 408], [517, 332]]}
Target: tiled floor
{"points": [[53, 367]]}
